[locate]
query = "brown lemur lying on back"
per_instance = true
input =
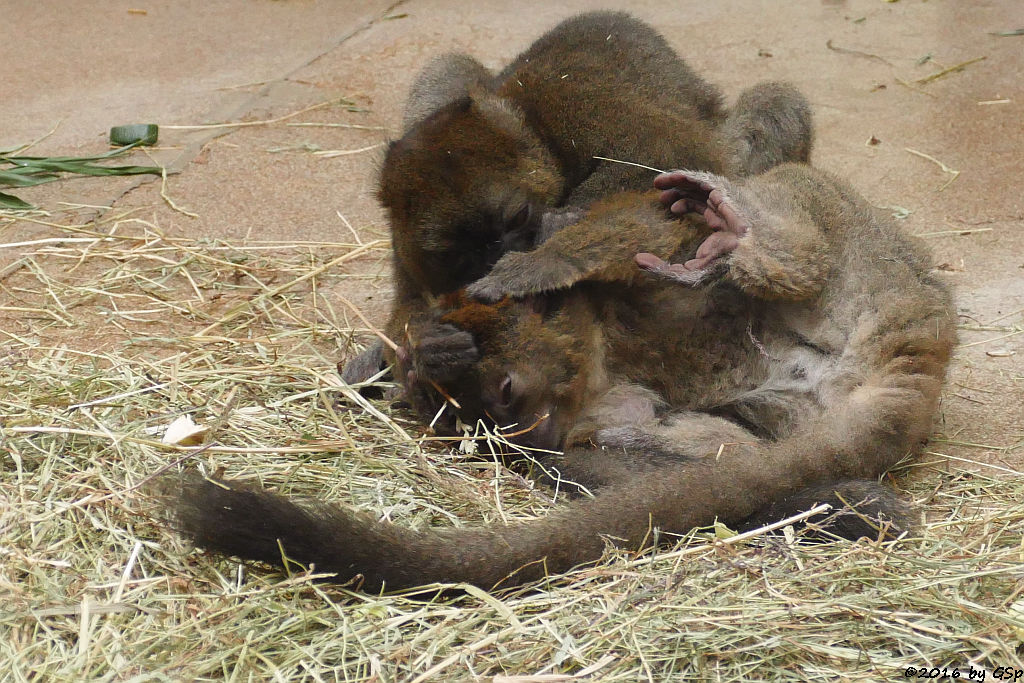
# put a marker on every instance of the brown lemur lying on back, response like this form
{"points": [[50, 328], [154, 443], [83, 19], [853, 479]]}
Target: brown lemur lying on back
{"points": [[805, 349], [484, 160], [802, 298]]}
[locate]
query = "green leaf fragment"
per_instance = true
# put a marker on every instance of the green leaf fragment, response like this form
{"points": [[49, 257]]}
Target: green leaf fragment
{"points": [[9, 201], [25, 171], [135, 134], [723, 532], [86, 168], [25, 177], [99, 157]]}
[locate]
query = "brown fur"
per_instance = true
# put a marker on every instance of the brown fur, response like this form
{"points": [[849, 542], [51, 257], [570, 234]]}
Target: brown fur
{"points": [[818, 300], [681, 405], [485, 161]]}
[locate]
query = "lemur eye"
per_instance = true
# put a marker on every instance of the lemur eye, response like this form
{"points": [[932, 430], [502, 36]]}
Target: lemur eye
{"points": [[505, 392], [520, 219]]}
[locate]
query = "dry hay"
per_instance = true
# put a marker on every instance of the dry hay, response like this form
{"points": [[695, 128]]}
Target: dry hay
{"points": [[112, 331]]}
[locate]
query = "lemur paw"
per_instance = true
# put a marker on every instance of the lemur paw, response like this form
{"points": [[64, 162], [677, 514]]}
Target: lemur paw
{"points": [[708, 194]]}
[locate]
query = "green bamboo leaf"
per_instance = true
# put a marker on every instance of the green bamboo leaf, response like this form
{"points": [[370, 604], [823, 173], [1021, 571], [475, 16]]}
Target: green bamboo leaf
{"points": [[99, 157], [117, 170], [44, 166], [9, 201], [26, 171], [138, 133], [43, 170], [86, 168], [21, 177]]}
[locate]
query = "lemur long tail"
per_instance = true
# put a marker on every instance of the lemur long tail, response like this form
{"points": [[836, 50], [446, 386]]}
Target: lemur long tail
{"points": [[870, 434]]}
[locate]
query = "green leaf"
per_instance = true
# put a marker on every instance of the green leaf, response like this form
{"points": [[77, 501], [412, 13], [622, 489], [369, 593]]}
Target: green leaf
{"points": [[31, 170], [85, 168], [9, 201], [21, 177], [723, 532], [99, 157], [137, 133]]}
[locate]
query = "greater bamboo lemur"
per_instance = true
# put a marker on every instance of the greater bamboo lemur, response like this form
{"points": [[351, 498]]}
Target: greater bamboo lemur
{"points": [[489, 164], [803, 352]]}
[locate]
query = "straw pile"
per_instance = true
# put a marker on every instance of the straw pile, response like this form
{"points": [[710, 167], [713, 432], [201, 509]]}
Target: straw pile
{"points": [[113, 331]]}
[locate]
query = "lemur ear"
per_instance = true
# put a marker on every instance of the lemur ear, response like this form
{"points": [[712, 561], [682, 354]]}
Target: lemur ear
{"points": [[445, 79]]}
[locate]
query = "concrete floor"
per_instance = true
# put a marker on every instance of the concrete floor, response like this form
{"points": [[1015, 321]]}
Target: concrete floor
{"points": [[85, 66]]}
